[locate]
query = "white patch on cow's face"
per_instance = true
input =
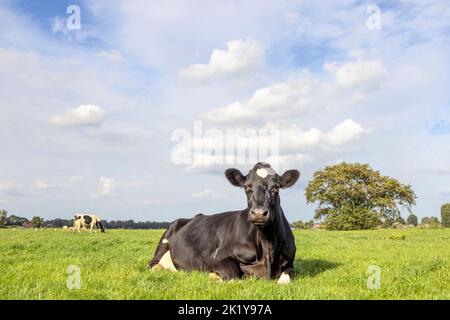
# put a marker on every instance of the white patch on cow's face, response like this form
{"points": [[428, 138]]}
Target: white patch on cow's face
{"points": [[284, 279], [165, 241], [262, 173]]}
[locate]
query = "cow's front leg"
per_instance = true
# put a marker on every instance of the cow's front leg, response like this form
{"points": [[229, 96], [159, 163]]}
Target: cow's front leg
{"points": [[227, 269]]}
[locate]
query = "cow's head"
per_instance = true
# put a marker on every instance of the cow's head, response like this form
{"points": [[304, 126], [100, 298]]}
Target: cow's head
{"points": [[261, 186]]}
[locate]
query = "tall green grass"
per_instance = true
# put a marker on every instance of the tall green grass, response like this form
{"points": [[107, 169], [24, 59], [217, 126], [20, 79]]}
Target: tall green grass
{"points": [[414, 264]]}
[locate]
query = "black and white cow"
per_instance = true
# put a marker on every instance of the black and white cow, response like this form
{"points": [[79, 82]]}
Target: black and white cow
{"points": [[255, 241], [90, 221]]}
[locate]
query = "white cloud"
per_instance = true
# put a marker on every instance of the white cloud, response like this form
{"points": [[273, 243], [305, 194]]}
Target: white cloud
{"points": [[241, 58], [293, 145], [346, 132], [277, 109], [41, 184], [362, 73], [202, 194], [107, 186], [304, 94], [294, 139], [289, 161], [84, 115], [113, 55], [292, 98]]}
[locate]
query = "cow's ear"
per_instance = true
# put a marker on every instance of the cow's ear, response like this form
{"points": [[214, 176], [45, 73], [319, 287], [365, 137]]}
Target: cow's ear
{"points": [[289, 178], [235, 177]]}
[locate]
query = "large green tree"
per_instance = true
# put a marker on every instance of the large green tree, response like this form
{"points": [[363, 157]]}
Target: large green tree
{"points": [[3, 215], [354, 196]]}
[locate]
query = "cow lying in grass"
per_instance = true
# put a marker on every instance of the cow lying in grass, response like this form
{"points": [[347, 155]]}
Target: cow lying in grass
{"points": [[255, 241], [87, 221]]}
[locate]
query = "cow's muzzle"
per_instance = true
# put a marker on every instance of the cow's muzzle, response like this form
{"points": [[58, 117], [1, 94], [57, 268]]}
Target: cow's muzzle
{"points": [[259, 216]]}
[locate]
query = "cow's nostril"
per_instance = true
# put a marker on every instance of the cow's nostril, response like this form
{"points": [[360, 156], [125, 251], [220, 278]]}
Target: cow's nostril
{"points": [[265, 213]]}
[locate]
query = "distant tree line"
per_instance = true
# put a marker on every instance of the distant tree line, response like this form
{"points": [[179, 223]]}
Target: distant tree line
{"points": [[131, 224], [113, 224], [38, 222], [302, 225], [412, 220]]}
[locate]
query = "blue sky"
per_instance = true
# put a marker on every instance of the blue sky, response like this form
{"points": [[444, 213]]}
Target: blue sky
{"points": [[88, 117], [42, 11]]}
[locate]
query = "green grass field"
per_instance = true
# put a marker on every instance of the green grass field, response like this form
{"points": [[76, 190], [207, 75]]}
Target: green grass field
{"points": [[330, 265]]}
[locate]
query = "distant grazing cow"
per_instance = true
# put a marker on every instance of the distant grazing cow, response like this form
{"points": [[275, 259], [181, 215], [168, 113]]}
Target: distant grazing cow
{"points": [[255, 241], [90, 221]]}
